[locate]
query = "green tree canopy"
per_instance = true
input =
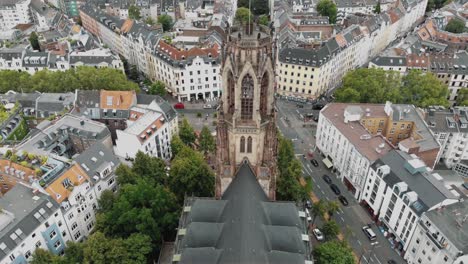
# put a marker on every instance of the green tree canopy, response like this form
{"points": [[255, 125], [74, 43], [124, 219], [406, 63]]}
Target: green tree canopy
{"points": [[327, 8], [176, 145], [318, 209], [158, 88], [462, 99], [191, 175], [106, 200], [186, 133], [150, 168], [150, 21], [34, 41], [258, 7], [330, 229], [74, 252], [263, 20], [134, 12], [206, 140], [285, 154], [43, 256], [243, 14], [165, 21], [377, 8], [377, 86], [455, 25], [335, 252], [332, 207]]}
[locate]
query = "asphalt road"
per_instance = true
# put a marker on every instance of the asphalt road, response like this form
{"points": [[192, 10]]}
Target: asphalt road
{"points": [[351, 218]]}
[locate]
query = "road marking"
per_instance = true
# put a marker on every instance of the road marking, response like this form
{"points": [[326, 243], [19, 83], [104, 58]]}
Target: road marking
{"points": [[318, 186], [365, 259], [375, 256], [312, 179], [359, 242], [342, 219], [322, 192]]}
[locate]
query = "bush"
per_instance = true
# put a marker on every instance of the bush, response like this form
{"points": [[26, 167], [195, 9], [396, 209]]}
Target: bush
{"points": [[199, 114]]}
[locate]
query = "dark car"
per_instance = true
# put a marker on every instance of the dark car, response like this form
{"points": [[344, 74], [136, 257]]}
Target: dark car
{"points": [[327, 179], [318, 106], [391, 261], [300, 106], [343, 200], [335, 189], [314, 162]]}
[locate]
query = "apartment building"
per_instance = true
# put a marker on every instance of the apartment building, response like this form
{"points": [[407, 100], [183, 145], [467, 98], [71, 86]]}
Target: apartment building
{"points": [[14, 12], [30, 219], [398, 191], [440, 236], [353, 136], [32, 62], [450, 128], [12, 173], [192, 74], [148, 131]]}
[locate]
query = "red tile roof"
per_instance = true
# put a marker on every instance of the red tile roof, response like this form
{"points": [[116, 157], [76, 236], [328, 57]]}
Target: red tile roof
{"points": [[177, 54]]}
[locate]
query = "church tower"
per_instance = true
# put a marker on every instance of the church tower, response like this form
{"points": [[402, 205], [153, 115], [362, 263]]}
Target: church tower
{"points": [[246, 130]]}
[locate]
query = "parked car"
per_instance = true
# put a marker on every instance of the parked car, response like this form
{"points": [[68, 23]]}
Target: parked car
{"points": [[335, 189], [318, 106], [318, 234], [308, 204], [391, 261], [179, 106], [316, 118], [343, 200], [207, 106], [314, 162], [300, 106], [369, 233], [327, 179]]}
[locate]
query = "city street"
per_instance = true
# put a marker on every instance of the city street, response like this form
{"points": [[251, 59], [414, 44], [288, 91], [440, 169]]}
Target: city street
{"points": [[351, 218]]}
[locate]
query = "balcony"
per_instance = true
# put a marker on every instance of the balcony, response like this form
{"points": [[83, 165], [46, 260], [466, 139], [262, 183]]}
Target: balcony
{"points": [[433, 237]]}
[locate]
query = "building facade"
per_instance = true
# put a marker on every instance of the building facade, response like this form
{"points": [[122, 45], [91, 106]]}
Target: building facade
{"points": [[13, 13]]}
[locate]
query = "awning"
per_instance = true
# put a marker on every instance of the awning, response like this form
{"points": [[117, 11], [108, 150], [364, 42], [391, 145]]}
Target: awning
{"points": [[327, 163]]}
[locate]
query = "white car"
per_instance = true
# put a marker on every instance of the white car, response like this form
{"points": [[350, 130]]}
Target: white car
{"points": [[207, 106], [318, 234]]}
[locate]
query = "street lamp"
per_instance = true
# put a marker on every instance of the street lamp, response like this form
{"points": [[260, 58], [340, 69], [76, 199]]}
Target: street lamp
{"points": [[370, 252]]}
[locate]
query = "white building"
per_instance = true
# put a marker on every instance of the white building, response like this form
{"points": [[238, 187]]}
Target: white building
{"points": [[440, 236], [398, 190], [14, 12], [30, 219], [348, 146], [149, 130]]}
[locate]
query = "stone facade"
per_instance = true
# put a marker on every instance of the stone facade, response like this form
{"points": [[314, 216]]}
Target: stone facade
{"points": [[246, 129]]}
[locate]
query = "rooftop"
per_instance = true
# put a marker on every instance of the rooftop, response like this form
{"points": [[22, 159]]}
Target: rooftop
{"points": [[243, 227], [119, 100], [96, 159]]}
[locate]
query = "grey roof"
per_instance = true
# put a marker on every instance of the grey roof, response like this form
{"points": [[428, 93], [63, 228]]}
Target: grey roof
{"points": [[9, 2], [354, 3], [438, 119], [389, 61], [23, 204], [25, 99], [305, 57], [448, 222], [54, 102], [96, 158], [9, 54], [430, 191], [35, 59], [90, 60], [243, 227], [88, 98]]}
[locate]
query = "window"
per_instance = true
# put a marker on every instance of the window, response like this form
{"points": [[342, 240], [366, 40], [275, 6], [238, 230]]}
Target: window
{"points": [[249, 145], [38, 244], [59, 223], [57, 244], [33, 235], [247, 98], [99, 187], [27, 254], [64, 234], [242, 144], [70, 216], [12, 257], [77, 235], [52, 234], [111, 181], [417, 240]]}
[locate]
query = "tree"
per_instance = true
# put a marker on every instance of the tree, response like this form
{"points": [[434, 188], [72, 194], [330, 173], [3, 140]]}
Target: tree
{"points": [[318, 209], [332, 207], [243, 15], [74, 253], [423, 89], [43, 256], [335, 252], [285, 154], [158, 88], [191, 175], [150, 168], [176, 145], [206, 140], [150, 21], [455, 25], [377, 8], [186, 133], [288, 185], [462, 99], [165, 21], [134, 12], [34, 40], [327, 8], [263, 20], [330, 229], [125, 175], [258, 7], [106, 200], [133, 74]]}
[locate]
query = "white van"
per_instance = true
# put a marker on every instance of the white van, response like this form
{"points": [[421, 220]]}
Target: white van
{"points": [[369, 233]]}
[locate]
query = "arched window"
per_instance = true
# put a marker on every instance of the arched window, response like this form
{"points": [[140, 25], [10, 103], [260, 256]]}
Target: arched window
{"points": [[249, 145], [230, 93], [264, 94], [242, 144], [247, 97]]}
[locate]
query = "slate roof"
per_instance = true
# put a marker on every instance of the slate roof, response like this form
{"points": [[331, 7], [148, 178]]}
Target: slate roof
{"points": [[9, 54], [430, 191], [102, 158], [389, 61], [23, 204], [88, 98], [243, 227], [54, 102]]}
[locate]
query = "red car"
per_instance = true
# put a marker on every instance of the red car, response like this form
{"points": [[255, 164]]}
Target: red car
{"points": [[179, 106]]}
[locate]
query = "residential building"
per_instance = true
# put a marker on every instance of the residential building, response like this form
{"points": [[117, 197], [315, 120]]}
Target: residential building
{"points": [[352, 136], [148, 131], [440, 236], [192, 74], [12, 173], [450, 128], [277, 231], [14, 12], [43, 15], [398, 191], [30, 219]]}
